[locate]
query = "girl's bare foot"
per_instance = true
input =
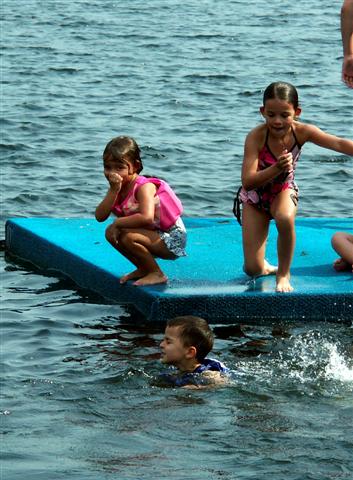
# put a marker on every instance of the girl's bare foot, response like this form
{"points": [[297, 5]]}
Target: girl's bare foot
{"points": [[341, 265], [152, 278], [283, 284], [269, 269], [132, 276]]}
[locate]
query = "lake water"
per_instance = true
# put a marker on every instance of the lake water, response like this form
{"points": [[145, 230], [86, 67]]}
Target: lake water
{"points": [[186, 80]]}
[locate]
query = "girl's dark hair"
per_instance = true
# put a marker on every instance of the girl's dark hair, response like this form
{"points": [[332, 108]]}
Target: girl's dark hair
{"points": [[194, 332], [282, 91], [122, 149]]}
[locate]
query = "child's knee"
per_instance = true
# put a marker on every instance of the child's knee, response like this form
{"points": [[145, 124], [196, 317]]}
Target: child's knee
{"points": [[334, 240], [126, 238], [252, 269], [111, 234], [337, 239], [285, 219]]}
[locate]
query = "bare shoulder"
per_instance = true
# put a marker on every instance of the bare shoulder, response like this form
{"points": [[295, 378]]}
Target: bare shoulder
{"points": [[147, 188], [304, 131], [257, 136], [258, 132]]}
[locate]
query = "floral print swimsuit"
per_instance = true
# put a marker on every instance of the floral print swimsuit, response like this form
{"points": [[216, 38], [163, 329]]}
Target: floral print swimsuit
{"points": [[264, 196]]}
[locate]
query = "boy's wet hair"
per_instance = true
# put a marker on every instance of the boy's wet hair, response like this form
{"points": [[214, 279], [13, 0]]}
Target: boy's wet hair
{"points": [[123, 149], [194, 332], [282, 91]]}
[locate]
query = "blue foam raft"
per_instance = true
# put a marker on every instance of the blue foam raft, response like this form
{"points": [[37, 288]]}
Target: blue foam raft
{"points": [[209, 282]]}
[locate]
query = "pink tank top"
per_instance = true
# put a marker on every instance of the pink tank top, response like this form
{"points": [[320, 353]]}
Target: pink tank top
{"points": [[168, 207]]}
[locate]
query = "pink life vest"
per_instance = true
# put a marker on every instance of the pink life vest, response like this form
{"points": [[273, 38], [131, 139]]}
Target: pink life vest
{"points": [[168, 207]]}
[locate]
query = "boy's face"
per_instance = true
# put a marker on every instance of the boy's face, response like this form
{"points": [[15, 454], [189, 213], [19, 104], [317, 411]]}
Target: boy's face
{"points": [[173, 350]]}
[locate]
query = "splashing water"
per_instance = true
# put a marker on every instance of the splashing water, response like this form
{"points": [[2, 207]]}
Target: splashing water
{"points": [[314, 358], [337, 367], [310, 363]]}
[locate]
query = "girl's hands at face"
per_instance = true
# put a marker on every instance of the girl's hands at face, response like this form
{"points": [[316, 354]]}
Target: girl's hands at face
{"points": [[115, 181]]}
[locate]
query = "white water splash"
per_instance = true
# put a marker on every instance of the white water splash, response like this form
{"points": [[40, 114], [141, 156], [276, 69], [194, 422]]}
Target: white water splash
{"points": [[337, 368], [311, 361]]}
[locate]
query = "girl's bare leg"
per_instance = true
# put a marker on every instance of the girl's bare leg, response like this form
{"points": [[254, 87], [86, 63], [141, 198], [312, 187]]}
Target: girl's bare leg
{"points": [[112, 234], [144, 245], [255, 232], [283, 211]]}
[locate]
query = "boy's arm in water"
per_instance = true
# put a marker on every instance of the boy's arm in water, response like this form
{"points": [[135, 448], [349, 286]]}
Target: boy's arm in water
{"points": [[209, 379]]}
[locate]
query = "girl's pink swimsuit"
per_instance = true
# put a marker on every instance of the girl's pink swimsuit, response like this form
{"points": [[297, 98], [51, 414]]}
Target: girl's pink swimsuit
{"points": [[262, 197], [167, 215], [168, 207]]}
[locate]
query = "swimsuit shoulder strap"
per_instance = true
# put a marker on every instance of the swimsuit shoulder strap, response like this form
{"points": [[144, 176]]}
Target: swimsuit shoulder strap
{"points": [[266, 139], [295, 138], [265, 145]]}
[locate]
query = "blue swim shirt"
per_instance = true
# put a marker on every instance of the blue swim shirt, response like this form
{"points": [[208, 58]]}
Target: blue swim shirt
{"points": [[174, 378]]}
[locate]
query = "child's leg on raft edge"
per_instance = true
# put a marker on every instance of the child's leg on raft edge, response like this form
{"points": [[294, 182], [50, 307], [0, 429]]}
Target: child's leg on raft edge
{"points": [[112, 235], [284, 211], [144, 245], [255, 225], [135, 274]]}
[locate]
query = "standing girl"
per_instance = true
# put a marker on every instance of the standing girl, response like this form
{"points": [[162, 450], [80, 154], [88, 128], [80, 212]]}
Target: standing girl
{"points": [[148, 211], [268, 188]]}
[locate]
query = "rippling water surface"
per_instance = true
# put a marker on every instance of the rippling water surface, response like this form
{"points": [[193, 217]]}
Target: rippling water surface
{"points": [[185, 79]]}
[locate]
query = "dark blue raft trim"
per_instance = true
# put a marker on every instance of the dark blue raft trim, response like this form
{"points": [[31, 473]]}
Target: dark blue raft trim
{"points": [[247, 307]]}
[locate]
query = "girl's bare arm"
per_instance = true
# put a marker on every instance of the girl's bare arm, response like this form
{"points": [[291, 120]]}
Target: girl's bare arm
{"points": [[145, 217], [103, 210], [252, 178], [315, 135]]}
